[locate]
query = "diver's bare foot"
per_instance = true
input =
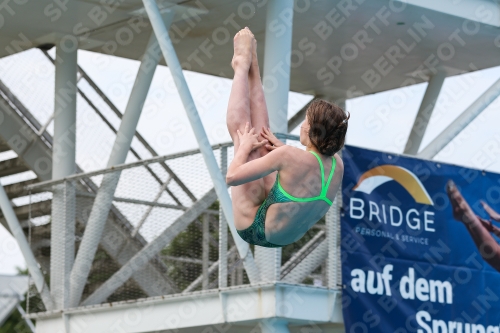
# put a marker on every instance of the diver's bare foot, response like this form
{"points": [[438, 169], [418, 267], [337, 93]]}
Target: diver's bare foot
{"points": [[493, 215], [242, 50], [461, 209]]}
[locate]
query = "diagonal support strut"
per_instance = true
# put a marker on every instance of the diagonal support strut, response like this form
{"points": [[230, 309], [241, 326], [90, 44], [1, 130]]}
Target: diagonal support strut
{"points": [[150, 250], [173, 63], [450, 132], [424, 113]]}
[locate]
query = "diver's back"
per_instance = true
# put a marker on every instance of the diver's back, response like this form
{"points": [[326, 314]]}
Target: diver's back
{"points": [[300, 178]]}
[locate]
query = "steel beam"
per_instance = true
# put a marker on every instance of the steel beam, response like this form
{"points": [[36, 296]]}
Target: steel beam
{"points": [[17, 231], [468, 9], [424, 113], [276, 78], [333, 241], [450, 132], [151, 250], [276, 81], [223, 228], [104, 199], [332, 220], [174, 65], [63, 164]]}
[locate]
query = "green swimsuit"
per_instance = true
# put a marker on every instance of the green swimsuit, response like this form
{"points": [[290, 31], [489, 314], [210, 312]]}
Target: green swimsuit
{"points": [[255, 234]]}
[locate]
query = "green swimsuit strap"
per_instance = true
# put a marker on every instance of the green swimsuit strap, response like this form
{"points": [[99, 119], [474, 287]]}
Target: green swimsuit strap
{"points": [[324, 187]]}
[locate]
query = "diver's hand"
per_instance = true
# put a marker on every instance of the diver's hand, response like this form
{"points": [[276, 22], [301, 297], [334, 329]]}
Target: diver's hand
{"points": [[273, 140], [249, 139]]}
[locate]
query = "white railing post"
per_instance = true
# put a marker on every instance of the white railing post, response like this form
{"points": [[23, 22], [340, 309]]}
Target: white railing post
{"points": [[205, 251], [333, 240], [223, 228], [332, 220], [63, 164]]}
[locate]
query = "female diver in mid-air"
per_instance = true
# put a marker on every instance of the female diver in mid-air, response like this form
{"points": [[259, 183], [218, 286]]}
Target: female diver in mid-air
{"points": [[279, 192]]}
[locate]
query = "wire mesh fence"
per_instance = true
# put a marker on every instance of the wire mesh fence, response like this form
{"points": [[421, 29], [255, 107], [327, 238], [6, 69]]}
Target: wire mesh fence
{"points": [[147, 210]]}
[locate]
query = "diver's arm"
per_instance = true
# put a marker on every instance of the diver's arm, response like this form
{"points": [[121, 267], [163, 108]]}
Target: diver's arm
{"points": [[240, 172]]}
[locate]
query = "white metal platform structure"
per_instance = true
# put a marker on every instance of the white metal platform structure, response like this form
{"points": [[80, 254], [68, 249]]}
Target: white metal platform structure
{"points": [[236, 309], [334, 49]]}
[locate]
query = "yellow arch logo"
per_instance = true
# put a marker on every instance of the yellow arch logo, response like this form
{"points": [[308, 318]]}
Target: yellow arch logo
{"points": [[375, 177]]}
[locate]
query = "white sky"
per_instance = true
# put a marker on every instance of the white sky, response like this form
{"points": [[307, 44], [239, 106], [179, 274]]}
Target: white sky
{"points": [[381, 121]]}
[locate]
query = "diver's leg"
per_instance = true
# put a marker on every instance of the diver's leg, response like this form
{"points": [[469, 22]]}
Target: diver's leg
{"points": [[258, 107], [485, 243], [238, 109], [247, 197], [258, 110]]}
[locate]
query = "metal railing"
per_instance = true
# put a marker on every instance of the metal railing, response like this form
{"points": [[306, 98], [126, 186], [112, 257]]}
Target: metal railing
{"points": [[190, 240]]}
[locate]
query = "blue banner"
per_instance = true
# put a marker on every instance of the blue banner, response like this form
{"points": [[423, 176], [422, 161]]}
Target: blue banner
{"points": [[412, 261]]}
